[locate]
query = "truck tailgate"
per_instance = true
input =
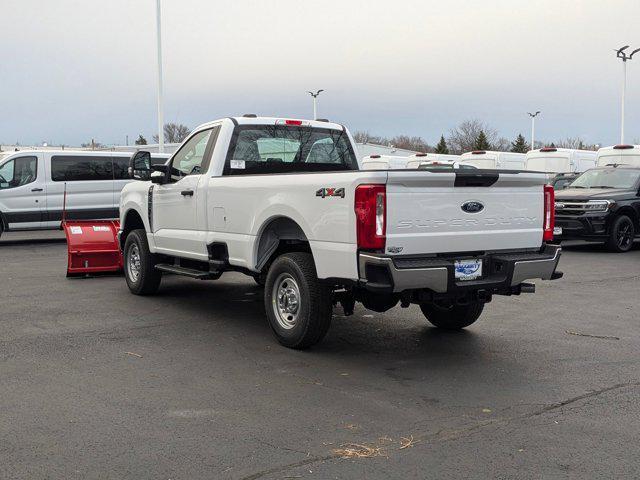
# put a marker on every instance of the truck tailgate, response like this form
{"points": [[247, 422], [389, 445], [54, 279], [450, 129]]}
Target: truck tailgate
{"points": [[446, 212]]}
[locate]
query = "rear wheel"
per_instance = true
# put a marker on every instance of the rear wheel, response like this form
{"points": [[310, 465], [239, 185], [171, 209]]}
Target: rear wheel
{"points": [[298, 305], [455, 317], [622, 233], [139, 265]]}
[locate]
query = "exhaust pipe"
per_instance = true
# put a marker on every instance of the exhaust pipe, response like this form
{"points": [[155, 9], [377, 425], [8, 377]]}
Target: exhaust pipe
{"points": [[527, 288]]}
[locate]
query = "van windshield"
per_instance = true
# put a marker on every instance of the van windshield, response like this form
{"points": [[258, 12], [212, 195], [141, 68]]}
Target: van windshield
{"points": [[607, 178], [260, 149]]}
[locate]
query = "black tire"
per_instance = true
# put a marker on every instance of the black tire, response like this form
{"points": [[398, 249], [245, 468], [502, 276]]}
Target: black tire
{"points": [[456, 317], [148, 278], [295, 273], [621, 234]]}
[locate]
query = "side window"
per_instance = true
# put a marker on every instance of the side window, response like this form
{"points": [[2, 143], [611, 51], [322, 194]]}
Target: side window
{"points": [[120, 168], [189, 159], [18, 171], [67, 168]]}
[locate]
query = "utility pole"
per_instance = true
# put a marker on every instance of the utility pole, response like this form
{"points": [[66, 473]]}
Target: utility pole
{"points": [[533, 128], [315, 103], [622, 55], [160, 112]]}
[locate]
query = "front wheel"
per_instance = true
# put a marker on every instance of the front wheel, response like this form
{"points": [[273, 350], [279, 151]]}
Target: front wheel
{"points": [[139, 265], [455, 317], [622, 233], [298, 305]]}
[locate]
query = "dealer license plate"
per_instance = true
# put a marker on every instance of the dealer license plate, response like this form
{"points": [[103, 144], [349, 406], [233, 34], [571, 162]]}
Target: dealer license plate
{"points": [[557, 230], [468, 269]]}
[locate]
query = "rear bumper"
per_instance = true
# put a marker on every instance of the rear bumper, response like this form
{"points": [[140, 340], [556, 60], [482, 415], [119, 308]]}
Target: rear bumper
{"points": [[502, 271]]}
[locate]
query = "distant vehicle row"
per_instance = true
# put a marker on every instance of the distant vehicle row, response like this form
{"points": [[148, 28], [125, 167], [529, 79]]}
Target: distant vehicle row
{"points": [[549, 159]]}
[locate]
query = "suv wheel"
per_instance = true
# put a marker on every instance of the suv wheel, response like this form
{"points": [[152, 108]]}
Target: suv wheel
{"points": [[456, 317], [298, 305], [622, 233], [139, 265]]}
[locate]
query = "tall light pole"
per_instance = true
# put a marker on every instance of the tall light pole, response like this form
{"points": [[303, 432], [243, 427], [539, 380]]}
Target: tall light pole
{"points": [[622, 55], [160, 112], [315, 102], [533, 128]]}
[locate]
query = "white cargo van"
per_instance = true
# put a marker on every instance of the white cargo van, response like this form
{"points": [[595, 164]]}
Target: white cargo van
{"points": [[619, 155], [560, 160], [492, 160], [32, 184]]}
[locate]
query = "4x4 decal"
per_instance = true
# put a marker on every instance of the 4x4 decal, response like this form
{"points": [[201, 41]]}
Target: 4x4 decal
{"points": [[330, 192]]}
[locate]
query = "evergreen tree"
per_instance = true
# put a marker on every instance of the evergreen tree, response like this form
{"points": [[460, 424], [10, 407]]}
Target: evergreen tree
{"points": [[442, 146], [481, 142], [141, 140], [520, 145]]}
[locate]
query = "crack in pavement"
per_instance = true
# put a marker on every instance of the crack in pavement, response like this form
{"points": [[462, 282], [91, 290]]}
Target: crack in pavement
{"points": [[455, 434], [443, 435], [284, 468]]}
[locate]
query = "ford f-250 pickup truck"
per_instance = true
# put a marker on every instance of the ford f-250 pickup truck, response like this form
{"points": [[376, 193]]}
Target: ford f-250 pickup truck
{"points": [[285, 202]]}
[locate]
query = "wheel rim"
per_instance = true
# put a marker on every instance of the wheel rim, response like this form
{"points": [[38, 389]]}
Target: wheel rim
{"points": [[285, 298], [133, 262], [624, 235]]}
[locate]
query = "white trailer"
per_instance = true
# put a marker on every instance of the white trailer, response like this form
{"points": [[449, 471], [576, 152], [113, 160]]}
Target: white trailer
{"points": [[492, 160], [560, 160], [619, 155], [384, 162], [414, 161]]}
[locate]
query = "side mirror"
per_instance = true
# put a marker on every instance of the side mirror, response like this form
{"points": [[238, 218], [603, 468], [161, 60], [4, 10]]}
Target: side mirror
{"points": [[159, 173], [140, 166]]}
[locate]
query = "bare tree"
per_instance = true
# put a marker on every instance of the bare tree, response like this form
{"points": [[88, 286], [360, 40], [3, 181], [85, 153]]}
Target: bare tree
{"points": [[174, 133], [405, 142], [502, 145], [462, 138], [416, 144]]}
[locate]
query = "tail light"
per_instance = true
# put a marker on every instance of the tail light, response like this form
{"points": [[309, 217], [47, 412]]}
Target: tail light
{"points": [[549, 214], [370, 207]]}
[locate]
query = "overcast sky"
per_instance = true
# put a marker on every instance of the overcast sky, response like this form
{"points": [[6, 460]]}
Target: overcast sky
{"points": [[72, 70]]}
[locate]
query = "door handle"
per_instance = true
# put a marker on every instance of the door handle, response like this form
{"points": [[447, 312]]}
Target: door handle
{"points": [[36, 189], [187, 193]]}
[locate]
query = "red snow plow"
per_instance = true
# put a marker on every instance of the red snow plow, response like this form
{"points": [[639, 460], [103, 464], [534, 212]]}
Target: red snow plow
{"points": [[92, 245]]}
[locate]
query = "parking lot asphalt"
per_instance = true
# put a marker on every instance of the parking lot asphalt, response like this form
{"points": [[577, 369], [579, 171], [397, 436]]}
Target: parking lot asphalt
{"points": [[190, 384]]}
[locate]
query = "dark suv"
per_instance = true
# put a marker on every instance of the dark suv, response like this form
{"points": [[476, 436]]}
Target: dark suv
{"points": [[602, 205]]}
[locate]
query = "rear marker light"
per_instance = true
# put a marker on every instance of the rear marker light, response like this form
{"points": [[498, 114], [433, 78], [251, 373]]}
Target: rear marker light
{"points": [[549, 218], [370, 208]]}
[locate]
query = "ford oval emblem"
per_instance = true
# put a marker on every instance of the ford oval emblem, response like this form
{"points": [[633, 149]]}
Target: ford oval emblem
{"points": [[472, 207]]}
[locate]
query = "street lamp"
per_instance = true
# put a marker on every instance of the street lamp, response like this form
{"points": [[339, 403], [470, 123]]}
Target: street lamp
{"points": [[622, 55], [533, 128], [315, 102], [160, 113]]}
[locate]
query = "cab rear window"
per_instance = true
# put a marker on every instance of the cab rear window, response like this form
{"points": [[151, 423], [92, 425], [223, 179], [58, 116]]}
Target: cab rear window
{"points": [[264, 149]]}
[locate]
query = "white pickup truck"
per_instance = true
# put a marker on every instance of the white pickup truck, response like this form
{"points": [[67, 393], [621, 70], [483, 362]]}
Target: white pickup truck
{"points": [[285, 202]]}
